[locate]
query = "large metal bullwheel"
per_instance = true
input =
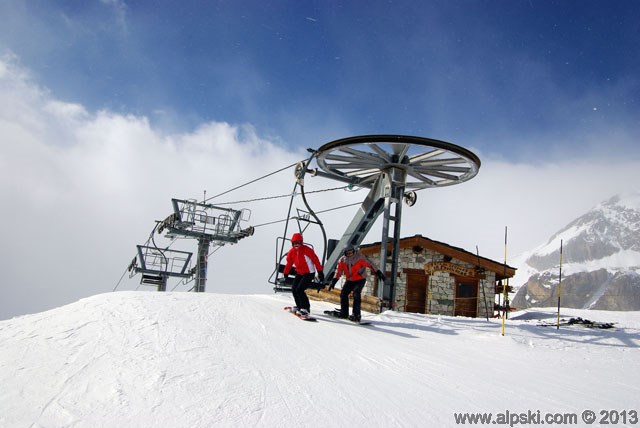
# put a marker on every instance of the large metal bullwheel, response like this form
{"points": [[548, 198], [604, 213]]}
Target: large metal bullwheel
{"points": [[393, 167], [425, 162]]}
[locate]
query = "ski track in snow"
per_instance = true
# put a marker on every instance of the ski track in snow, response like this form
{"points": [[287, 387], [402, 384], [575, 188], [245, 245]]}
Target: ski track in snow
{"points": [[187, 360]]}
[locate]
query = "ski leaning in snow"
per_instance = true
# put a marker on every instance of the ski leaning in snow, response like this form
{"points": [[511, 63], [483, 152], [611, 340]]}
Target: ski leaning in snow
{"points": [[299, 315], [334, 315]]}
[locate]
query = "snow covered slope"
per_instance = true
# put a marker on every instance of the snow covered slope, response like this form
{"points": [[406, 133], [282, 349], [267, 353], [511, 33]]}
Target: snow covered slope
{"points": [[145, 359], [601, 261]]}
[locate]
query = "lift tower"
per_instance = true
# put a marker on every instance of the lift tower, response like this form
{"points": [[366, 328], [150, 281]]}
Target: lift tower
{"points": [[393, 167], [208, 224]]}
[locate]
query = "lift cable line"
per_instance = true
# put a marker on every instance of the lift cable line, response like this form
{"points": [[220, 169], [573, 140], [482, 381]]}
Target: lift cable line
{"points": [[250, 182], [287, 195], [121, 278], [317, 212]]}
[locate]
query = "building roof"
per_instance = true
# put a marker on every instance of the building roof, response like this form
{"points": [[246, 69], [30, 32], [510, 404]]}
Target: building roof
{"points": [[418, 242]]}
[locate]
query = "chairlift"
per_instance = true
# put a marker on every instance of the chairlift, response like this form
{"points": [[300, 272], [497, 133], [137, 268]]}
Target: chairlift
{"points": [[280, 283], [207, 223], [303, 220]]}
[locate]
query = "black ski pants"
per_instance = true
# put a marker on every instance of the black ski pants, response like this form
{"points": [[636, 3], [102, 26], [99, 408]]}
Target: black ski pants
{"points": [[349, 287], [300, 284]]}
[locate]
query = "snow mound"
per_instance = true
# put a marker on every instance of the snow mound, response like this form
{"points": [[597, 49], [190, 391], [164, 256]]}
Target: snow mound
{"points": [[145, 359]]}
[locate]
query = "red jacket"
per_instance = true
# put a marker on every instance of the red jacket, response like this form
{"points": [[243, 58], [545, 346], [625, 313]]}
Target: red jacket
{"points": [[354, 267], [304, 259]]}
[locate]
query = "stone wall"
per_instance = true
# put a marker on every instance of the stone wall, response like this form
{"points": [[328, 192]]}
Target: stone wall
{"points": [[442, 291]]}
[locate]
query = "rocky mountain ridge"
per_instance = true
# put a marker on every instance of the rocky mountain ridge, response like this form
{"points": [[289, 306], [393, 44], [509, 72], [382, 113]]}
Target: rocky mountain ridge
{"points": [[600, 261]]}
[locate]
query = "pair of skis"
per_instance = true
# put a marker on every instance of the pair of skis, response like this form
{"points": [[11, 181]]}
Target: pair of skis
{"points": [[329, 313]]}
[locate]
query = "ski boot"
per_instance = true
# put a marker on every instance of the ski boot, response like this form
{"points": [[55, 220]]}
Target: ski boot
{"points": [[335, 314]]}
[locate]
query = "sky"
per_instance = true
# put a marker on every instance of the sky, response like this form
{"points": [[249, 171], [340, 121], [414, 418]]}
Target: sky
{"points": [[108, 109]]}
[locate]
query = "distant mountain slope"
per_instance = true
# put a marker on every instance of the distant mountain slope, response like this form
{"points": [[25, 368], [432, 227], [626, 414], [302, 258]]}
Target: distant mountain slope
{"points": [[601, 261]]}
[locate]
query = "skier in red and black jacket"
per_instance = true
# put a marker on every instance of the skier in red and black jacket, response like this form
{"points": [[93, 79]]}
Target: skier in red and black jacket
{"points": [[353, 265], [307, 265]]}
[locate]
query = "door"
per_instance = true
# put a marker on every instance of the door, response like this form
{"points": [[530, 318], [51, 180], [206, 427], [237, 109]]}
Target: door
{"points": [[416, 292], [466, 303]]}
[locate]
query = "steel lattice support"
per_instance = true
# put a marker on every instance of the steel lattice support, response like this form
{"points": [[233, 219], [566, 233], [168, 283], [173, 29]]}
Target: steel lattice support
{"points": [[392, 202], [201, 265]]}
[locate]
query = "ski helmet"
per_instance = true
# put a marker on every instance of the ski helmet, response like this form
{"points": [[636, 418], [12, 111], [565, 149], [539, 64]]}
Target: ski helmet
{"points": [[296, 238], [349, 247]]}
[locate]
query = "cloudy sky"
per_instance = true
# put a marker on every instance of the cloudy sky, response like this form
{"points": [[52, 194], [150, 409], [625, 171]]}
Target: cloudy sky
{"points": [[108, 109]]}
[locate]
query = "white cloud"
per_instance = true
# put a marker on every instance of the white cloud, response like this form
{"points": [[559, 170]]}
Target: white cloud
{"points": [[80, 190]]}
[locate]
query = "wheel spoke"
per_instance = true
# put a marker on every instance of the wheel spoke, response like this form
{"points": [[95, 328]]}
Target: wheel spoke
{"points": [[362, 172], [381, 152], [425, 156], [422, 178], [360, 161], [361, 155], [426, 169], [438, 174], [446, 161]]}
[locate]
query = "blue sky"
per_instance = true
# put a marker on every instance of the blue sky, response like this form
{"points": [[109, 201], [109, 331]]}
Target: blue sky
{"points": [[108, 109], [507, 77]]}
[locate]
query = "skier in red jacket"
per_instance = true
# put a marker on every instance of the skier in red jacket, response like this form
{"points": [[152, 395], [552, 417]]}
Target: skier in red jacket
{"points": [[307, 264], [353, 265]]}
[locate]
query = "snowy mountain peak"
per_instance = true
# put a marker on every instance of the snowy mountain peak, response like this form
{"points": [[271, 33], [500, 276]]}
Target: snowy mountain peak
{"points": [[611, 228], [600, 260], [625, 200]]}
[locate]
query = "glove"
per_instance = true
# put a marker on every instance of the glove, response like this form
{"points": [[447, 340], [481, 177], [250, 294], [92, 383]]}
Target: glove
{"points": [[321, 276], [333, 283], [380, 275]]}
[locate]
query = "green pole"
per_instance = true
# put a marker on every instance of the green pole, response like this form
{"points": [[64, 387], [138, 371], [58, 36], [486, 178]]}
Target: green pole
{"points": [[506, 285], [559, 287]]}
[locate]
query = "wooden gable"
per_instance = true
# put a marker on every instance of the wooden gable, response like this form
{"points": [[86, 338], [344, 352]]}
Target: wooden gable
{"points": [[418, 242]]}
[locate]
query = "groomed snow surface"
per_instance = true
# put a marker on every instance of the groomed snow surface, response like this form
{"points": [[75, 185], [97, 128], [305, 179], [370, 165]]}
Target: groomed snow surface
{"points": [[145, 359]]}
